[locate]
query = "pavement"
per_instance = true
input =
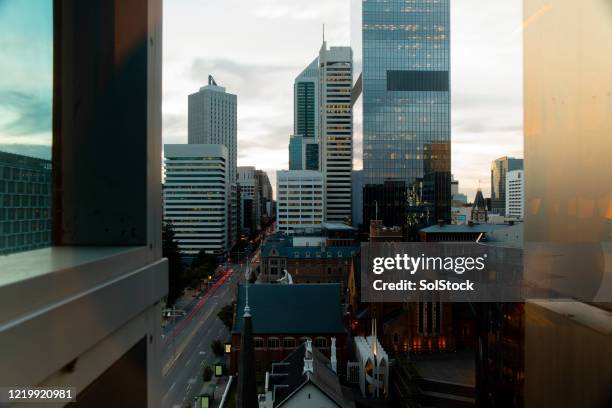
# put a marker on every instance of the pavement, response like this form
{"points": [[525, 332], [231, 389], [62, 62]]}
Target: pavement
{"points": [[186, 344]]}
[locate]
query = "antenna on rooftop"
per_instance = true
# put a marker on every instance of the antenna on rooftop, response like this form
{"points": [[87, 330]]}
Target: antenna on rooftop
{"points": [[211, 80]]}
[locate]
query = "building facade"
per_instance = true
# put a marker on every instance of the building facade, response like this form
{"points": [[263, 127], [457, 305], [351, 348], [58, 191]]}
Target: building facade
{"points": [[212, 119], [357, 198], [515, 195], [284, 317], [405, 60], [247, 184], [322, 257], [499, 169], [195, 196], [306, 102], [264, 207], [303, 153], [299, 200], [25, 203], [336, 126]]}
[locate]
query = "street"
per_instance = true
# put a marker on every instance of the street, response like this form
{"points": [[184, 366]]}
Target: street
{"points": [[186, 348]]}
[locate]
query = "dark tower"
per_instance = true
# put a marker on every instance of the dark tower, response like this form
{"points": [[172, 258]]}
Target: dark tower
{"points": [[247, 391]]}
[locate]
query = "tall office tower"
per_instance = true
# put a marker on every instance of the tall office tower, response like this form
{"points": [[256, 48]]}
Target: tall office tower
{"points": [[303, 153], [212, 120], [515, 194], [195, 196], [25, 203], [499, 168], [336, 130], [404, 55], [263, 209], [304, 146], [247, 183], [306, 102], [357, 200], [299, 200]]}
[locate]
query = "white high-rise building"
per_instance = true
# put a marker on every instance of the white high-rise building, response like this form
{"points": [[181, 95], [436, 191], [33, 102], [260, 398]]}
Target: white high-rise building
{"points": [[212, 119], [336, 130], [299, 201], [195, 196], [515, 194]]}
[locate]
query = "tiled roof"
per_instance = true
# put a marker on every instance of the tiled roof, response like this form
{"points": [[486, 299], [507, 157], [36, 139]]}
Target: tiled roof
{"points": [[298, 308]]}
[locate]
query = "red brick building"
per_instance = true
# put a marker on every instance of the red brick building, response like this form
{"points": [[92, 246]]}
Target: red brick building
{"points": [[284, 316]]}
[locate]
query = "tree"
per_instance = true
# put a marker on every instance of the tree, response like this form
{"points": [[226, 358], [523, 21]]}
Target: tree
{"points": [[170, 250], [206, 261], [217, 348], [207, 373], [226, 315]]}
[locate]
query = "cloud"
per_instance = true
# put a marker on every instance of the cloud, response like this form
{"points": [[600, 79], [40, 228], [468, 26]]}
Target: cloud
{"points": [[28, 113], [249, 80]]}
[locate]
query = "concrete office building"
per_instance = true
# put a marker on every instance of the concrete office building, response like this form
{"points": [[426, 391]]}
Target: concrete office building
{"points": [[195, 194], [25, 203], [299, 200], [515, 194], [499, 168], [212, 119], [336, 127], [404, 58]]}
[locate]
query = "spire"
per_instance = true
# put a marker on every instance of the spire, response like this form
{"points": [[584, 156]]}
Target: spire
{"points": [[247, 309], [247, 391], [308, 359], [323, 32]]}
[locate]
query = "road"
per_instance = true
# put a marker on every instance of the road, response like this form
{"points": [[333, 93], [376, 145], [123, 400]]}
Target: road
{"points": [[186, 349]]}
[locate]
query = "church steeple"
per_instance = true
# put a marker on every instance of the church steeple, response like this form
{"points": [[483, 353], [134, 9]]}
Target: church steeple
{"points": [[247, 391]]}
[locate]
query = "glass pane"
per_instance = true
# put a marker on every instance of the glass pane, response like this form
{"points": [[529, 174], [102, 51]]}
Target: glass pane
{"points": [[26, 84]]}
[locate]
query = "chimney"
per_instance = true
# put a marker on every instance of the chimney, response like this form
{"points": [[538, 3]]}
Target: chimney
{"points": [[334, 360]]}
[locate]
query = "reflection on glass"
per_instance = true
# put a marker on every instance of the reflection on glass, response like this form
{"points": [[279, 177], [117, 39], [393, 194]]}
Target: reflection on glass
{"points": [[26, 59]]}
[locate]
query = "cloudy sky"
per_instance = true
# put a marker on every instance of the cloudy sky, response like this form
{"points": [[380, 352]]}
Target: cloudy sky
{"points": [[255, 48]]}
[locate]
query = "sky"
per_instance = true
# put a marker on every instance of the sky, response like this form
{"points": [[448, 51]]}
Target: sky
{"points": [[255, 48], [25, 71]]}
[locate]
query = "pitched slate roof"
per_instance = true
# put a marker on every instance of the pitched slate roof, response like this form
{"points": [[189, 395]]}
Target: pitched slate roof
{"points": [[299, 308], [289, 377]]}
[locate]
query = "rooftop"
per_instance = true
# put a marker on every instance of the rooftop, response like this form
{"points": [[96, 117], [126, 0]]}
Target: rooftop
{"points": [[298, 308], [452, 228], [288, 377]]}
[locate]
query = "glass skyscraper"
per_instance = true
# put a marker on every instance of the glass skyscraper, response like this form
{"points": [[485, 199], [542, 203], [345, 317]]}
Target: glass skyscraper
{"points": [[405, 64], [306, 101]]}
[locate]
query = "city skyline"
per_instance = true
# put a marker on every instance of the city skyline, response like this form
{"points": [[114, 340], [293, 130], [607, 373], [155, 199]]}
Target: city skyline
{"points": [[252, 60]]}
